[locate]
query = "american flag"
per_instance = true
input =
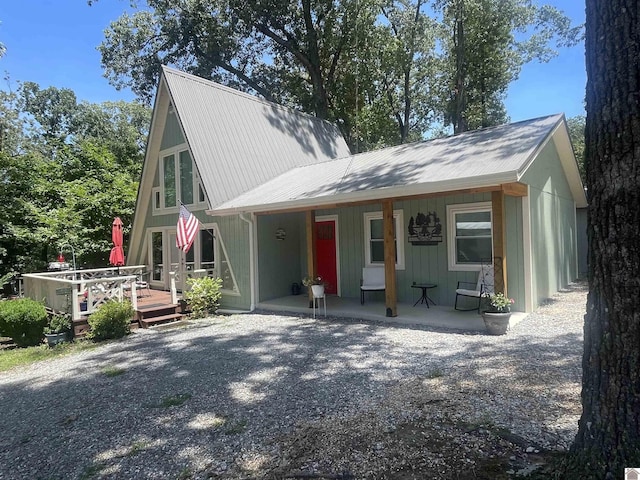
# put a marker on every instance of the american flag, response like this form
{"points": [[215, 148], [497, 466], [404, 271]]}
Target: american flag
{"points": [[188, 226]]}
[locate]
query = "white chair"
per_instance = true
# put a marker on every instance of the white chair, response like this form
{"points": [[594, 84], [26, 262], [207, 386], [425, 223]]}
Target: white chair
{"points": [[372, 280], [483, 285], [141, 284]]}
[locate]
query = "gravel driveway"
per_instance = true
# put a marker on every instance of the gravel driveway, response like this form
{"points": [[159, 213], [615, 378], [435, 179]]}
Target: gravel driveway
{"points": [[266, 396]]}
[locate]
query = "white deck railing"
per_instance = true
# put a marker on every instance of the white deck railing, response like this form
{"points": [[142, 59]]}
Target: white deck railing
{"points": [[71, 290]]}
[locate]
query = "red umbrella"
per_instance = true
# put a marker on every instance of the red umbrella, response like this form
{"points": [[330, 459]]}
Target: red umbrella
{"points": [[117, 253]]}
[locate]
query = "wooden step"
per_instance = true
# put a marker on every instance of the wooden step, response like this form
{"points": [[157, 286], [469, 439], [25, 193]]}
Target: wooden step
{"points": [[80, 327], [159, 320], [155, 310]]}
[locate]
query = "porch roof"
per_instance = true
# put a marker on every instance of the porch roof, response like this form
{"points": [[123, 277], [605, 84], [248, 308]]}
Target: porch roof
{"points": [[475, 159]]}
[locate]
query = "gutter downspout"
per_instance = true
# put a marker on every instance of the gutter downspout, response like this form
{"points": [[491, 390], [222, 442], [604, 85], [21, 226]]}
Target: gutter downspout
{"points": [[252, 275]]}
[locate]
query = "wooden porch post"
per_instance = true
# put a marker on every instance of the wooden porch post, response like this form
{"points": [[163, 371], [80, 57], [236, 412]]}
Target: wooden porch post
{"points": [[312, 259], [499, 242], [391, 297]]}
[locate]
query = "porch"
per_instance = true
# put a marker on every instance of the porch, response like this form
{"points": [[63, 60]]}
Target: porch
{"points": [[438, 316], [80, 293]]}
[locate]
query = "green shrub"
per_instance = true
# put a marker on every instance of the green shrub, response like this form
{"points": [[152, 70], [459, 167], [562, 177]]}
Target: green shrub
{"points": [[59, 323], [203, 295], [111, 320], [23, 320]]}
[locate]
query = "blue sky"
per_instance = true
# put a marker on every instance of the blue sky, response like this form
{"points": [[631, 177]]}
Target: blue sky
{"points": [[53, 43]]}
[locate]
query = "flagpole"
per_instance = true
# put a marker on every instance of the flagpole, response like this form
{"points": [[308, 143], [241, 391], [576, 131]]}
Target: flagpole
{"points": [[182, 254]]}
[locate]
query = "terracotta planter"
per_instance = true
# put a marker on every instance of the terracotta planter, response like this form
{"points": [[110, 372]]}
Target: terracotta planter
{"points": [[318, 290], [496, 323]]}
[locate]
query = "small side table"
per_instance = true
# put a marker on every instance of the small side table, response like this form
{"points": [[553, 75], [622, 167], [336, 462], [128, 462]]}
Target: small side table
{"points": [[424, 298]]}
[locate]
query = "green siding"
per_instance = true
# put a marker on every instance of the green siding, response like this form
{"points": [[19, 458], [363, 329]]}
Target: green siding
{"points": [[234, 233], [172, 134], [279, 263], [553, 225], [422, 263]]}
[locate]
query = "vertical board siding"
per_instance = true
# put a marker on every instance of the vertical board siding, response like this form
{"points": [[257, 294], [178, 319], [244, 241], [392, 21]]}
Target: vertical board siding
{"points": [[235, 234], [279, 263], [172, 134], [553, 220], [422, 263]]}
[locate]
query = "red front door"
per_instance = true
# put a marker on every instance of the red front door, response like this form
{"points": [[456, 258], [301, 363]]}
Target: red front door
{"points": [[326, 251]]}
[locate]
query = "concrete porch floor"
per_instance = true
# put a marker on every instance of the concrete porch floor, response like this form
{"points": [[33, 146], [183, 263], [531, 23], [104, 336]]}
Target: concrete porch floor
{"points": [[435, 316]]}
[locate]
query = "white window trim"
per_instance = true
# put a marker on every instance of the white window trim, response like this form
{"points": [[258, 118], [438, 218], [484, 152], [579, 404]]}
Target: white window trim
{"points": [[175, 152], [452, 210], [398, 217]]}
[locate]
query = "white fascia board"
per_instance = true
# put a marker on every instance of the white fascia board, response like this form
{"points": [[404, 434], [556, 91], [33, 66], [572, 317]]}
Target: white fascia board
{"points": [[378, 194], [570, 165]]}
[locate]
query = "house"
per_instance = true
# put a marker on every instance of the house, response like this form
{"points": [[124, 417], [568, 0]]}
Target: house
{"points": [[279, 196]]}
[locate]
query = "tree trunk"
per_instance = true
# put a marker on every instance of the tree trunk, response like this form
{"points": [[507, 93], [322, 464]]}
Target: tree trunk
{"points": [[608, 438], [320, 100]]}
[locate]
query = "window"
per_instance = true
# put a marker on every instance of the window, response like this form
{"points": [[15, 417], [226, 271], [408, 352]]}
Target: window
{"points": [[207, 250], [374, 239], [470, 240], [179, 181], [169, 176], [186, 178]]}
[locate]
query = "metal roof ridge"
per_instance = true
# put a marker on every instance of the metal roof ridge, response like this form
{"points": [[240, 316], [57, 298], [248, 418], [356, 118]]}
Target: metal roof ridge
{"points": [[447, 137]]}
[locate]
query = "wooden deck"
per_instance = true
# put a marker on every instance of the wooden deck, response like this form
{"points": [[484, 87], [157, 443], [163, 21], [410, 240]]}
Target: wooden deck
{"points": [[151, 296]]}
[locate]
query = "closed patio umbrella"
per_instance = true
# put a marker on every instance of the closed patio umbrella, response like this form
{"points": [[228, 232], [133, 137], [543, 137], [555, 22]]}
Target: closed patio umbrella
{"points": [[116, 258]]}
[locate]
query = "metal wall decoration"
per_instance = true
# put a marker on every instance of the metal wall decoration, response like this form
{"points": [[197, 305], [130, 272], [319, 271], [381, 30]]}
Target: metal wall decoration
{"points": [[426, 229], [281, 234]]}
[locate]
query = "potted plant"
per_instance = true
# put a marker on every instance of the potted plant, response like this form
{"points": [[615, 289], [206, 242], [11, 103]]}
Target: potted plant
{"points": [[58, 329], [316, 284], [497, 313]]}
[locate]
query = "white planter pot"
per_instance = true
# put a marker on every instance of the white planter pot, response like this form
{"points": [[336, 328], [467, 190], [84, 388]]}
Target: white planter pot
{"points": [[318, 290], [496, 323]]}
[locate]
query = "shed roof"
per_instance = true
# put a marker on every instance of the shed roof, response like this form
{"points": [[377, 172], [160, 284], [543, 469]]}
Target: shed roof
{"points": [[242, 140], [486, 157]]}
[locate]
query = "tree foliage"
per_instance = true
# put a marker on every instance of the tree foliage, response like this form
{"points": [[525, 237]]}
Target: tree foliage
{"points": [[576, 133], [387, 71], [67, 168], [485, 46]]}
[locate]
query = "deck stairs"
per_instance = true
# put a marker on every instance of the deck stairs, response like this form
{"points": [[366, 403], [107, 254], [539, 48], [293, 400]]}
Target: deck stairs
{"points": [[150, 315]]}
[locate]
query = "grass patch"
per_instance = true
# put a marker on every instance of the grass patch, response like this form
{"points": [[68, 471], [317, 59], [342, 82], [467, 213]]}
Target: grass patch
{"points": [[236, 428], [92, 470], [136, 448], [435, 373], [113, 371], [16, 357], [171, 401], [185, 474]]}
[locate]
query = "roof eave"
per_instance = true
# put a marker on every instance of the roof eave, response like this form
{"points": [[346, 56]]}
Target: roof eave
{"points": [[397, 192]]}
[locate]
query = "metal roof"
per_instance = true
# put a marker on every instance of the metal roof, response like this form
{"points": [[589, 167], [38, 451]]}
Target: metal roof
{"points": [[486, 157], [239, 141]]}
